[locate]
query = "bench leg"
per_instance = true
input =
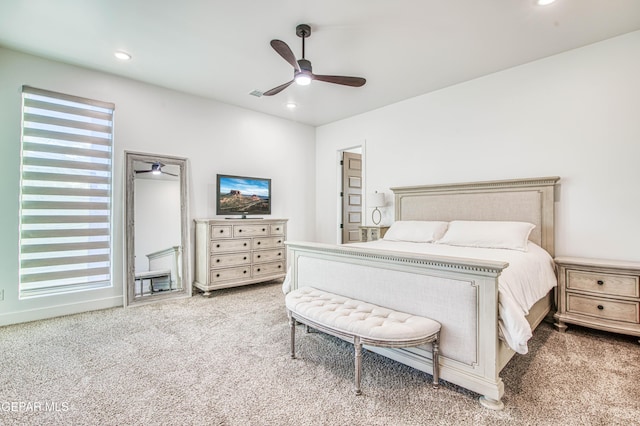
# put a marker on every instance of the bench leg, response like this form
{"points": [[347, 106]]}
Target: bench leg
{"points": [[292, 326], [436, 362], [358, 363]]}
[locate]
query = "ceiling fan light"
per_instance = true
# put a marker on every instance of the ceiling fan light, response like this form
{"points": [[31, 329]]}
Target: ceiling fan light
{"points": [[544, 2], [303, 79]]}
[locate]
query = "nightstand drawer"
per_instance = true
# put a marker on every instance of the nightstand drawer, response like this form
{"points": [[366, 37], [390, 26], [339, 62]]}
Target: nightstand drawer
{"points": [[611, 284], [615, 310]]}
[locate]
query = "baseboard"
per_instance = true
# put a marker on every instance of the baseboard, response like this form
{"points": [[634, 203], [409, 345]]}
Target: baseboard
{"points": [[59, 310]]}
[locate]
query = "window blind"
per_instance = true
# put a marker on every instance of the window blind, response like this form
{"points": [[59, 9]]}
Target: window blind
{"points": [[65, 198]]}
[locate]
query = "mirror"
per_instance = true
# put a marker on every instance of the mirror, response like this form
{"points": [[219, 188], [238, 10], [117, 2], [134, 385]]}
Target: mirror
{"points": [[157, 234]]}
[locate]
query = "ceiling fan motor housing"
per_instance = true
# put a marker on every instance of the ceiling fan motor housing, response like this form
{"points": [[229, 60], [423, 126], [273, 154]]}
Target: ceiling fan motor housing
{"points": [[304, 65]]}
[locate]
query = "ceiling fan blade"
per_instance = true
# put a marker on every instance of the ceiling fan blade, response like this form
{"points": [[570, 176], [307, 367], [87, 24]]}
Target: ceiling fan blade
{"points": [[143, 171], [338, 79], [285, 51], [167, 173], [278, 89]]}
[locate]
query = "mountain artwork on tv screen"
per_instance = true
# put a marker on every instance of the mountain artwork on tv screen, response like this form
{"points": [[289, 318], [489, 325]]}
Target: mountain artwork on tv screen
{"points": [[243, 195]]}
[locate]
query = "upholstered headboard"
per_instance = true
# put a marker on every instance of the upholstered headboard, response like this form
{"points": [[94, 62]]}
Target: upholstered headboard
{"points": [[526, 200]]}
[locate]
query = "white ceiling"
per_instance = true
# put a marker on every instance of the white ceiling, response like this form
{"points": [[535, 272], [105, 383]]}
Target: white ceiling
{"points": [[219, 49]]}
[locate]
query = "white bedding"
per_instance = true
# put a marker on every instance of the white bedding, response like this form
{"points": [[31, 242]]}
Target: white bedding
{"points": [[529, 277]]}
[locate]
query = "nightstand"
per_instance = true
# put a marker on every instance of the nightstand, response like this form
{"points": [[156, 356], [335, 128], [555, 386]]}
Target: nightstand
{"points": [[372, 233], [602, 294]]}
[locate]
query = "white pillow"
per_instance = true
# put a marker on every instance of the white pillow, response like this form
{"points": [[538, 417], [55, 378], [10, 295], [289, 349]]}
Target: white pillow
{"points": [[417, 231], [488, 234]]}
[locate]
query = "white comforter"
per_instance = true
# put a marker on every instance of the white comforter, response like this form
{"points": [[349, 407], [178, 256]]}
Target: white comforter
{"points": [[529, 277]]}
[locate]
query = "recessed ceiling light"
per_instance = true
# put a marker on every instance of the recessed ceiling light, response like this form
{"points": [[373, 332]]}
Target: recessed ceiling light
{"points": [[544, 2], [291, 105], [123, 56]]}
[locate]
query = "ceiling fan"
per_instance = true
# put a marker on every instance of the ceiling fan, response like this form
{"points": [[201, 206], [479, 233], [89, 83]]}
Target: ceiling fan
{"points": [[302, 73], [156, 169]]}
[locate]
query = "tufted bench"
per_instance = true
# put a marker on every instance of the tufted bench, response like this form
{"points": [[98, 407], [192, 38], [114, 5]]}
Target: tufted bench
{"points": [[360, 322]]}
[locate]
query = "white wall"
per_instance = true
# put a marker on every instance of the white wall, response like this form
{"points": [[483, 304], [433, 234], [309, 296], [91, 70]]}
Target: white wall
{"points": [[215, 137], [575, 115]]}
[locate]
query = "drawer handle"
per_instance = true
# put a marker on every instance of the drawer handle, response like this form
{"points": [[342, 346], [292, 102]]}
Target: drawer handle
{"points": [[279, 254], [244, 258], [245, 244], [279, 266], [217, 245], [600, 282], [600, 307], [279, 241], [258, 242], [222, 231], [263, 229], [277, 229], [244, 272], [217, 275], [258, 269], [217, 260], [239, 230], [259, 256]]}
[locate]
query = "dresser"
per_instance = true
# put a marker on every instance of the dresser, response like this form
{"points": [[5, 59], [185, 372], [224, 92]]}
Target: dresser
{"points": [[235, 252], [372, 233], [602, 294]]}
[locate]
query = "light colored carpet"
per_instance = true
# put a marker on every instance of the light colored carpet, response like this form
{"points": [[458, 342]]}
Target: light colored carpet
{"points": [[225, 360]]}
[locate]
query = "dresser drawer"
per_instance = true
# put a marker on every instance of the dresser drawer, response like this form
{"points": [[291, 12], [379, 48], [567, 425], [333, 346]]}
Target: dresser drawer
{"points": [[220, 231], [267, 255], [268, 269], [268, 242], [277, 229], [250, 230], [611, 284], [217, 275], [226, 260], [230, 245], [615, 310]]}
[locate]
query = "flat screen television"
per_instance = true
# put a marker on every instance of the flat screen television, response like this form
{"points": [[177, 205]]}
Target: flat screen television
{"points": [[242, 195]]}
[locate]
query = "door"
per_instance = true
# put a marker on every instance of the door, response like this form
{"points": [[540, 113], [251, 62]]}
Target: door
{"points": [[351, 197]]}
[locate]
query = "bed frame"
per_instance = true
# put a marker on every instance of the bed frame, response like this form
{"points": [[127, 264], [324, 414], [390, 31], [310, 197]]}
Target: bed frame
{"points": [[472, 354]]}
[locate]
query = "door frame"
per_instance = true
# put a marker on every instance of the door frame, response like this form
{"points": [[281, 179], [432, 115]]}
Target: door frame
{"points": [[360, 148]]}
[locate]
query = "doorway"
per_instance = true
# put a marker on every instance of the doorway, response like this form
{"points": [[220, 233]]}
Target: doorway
{"points": [[351, 195]]}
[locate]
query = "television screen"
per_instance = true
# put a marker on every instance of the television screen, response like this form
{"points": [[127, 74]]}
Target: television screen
{"points": [[242, 195]]}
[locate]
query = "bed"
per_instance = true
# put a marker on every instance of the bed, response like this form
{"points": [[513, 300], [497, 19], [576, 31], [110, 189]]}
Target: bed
{"points": [[462, 293]]}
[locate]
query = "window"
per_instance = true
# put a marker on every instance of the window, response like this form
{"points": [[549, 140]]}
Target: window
{"points": [[65, 197]]}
